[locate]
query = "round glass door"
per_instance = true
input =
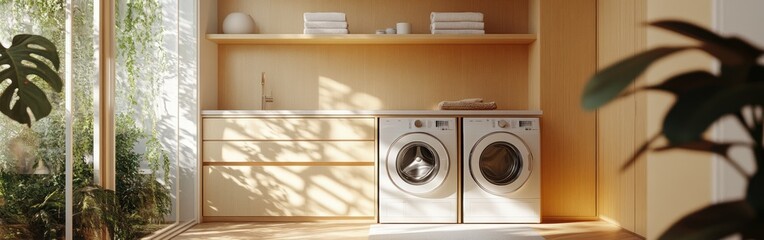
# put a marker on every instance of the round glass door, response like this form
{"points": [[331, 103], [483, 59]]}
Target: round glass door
{"points": [[500, 163], [417, 163]]}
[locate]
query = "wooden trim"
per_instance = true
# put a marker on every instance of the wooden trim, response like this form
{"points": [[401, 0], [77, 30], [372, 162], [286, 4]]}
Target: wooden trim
{"points": [[292, 140], [369, 219], [364, 113], [560, 219], [309, 164], [106, 78], [270, 39]]}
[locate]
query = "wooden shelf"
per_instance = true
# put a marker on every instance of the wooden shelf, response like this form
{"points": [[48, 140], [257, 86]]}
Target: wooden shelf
{"points": [[371, 39]]}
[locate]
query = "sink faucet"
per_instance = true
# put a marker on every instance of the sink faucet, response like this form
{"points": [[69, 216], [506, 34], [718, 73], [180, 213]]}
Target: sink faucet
{"points": [[265, 98]]}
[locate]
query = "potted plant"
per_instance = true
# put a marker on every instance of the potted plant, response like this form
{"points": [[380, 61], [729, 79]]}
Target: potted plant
{"points": [[702, 98]]}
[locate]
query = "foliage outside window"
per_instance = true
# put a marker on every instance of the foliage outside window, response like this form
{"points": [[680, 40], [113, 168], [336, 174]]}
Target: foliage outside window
{"points": [[32, 205]]}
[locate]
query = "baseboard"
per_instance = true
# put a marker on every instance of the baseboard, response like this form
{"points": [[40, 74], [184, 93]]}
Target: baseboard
{"points": [[559, 219], [364, 219]]}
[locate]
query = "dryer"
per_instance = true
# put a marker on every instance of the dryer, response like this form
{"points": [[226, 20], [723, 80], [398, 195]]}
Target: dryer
{"points": [[417, 170], [501, 170]]}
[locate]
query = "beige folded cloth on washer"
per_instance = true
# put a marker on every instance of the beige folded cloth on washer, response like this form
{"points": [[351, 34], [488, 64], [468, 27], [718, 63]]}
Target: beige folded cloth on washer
{"points": [[467, 104]]}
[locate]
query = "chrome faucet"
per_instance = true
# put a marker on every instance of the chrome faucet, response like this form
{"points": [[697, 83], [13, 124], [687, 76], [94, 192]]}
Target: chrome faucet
{"points": [[265, 98]]}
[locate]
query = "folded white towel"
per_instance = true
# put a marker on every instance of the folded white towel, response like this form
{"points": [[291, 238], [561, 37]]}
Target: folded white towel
{"points": [[456, 17], [458, 31], [325, 31], [457, 26], [321, 25], [324, 17]]}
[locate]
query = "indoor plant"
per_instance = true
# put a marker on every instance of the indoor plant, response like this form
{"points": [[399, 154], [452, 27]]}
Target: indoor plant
{"points": [[701, 99], [25, 58]]}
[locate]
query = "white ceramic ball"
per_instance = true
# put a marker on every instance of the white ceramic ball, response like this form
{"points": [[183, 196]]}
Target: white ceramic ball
{"points": [[238, 23]]}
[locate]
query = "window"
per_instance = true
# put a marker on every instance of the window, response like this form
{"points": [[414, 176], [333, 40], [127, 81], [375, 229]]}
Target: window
{"points": [[154, 131]]}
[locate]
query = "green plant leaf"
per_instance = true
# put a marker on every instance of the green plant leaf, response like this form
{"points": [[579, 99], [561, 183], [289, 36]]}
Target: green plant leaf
{"points": [[729, 50], [605, 85], [713, 222], [755, 192], [694, 112], [23, 59], [702, 145], [686, 82], [642, 149]]}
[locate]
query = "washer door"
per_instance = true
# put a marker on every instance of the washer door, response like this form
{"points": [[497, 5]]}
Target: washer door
{"points": [[417, 163], [500, 163]]}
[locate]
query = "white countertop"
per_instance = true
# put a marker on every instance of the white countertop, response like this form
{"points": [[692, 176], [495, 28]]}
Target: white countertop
{"points": [[262, 113]]}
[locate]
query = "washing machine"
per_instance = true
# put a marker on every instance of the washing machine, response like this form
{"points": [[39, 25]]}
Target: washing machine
{"points": [[501, 170], [417, 170]]}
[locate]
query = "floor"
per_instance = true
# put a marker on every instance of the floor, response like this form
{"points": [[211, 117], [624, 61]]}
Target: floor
{"points": [[240, 230]]}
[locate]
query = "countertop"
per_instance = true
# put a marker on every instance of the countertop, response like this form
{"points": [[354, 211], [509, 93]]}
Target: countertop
{"points": [[361, 113]]}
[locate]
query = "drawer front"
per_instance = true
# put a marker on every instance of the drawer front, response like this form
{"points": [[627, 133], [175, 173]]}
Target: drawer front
{"points": [[288, 129], [288, 151], [319, 191]]}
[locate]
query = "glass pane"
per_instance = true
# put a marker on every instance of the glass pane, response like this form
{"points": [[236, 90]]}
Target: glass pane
{"points": [[417, 163], [146, 121], [500, 163], [32, 159]]}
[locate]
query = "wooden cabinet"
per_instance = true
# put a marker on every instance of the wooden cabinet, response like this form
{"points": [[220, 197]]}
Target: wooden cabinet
{"points": [[289, 191], [288, 151], [288, 168], [288, 129]]}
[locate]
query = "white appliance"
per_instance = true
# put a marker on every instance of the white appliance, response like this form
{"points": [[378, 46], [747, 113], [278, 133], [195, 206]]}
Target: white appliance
{"points": [[501, 170], [417, 170]]}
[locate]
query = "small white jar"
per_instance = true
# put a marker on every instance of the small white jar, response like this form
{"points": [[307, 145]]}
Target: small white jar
{"points": [[403, 28]]}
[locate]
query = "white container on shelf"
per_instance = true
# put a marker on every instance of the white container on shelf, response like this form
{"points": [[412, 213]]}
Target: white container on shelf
{"points": [[403, 28], [238, 23]]}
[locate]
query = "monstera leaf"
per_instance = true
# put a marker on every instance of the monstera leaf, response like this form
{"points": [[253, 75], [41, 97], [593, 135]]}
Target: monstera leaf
{"points": [[18, 64]]}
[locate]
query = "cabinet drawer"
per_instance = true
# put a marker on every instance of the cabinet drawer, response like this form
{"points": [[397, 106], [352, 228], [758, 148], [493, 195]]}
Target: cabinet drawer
{"points": [[288, 191], [288, 129], [288, 151]]}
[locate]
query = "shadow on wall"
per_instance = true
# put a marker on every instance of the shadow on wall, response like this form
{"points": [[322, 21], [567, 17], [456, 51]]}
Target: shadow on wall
{"points": [[289, 190]]}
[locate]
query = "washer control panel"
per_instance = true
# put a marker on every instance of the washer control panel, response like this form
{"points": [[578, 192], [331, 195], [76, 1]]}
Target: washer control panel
{"points": [[526, 124]]}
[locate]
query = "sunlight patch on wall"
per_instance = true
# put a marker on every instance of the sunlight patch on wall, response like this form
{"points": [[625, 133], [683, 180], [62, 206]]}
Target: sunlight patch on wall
{"points": [[334, 95]]}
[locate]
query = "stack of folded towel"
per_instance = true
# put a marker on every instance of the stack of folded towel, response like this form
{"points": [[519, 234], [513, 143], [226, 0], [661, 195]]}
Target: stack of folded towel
{"points": [[325, 23], [457, 23], [467, 104]]}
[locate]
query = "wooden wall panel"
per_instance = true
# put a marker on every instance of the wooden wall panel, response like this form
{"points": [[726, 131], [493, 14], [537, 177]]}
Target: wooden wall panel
{"points": [[315, 191], [366, 16], [208, 67], [372, 77], [568, 59], [619, 128]]}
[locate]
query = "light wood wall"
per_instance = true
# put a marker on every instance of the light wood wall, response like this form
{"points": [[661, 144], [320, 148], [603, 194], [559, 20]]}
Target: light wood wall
{"points": [[621, 124], [366, 16], [672, 172], [568, 59], [372, 77]]}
